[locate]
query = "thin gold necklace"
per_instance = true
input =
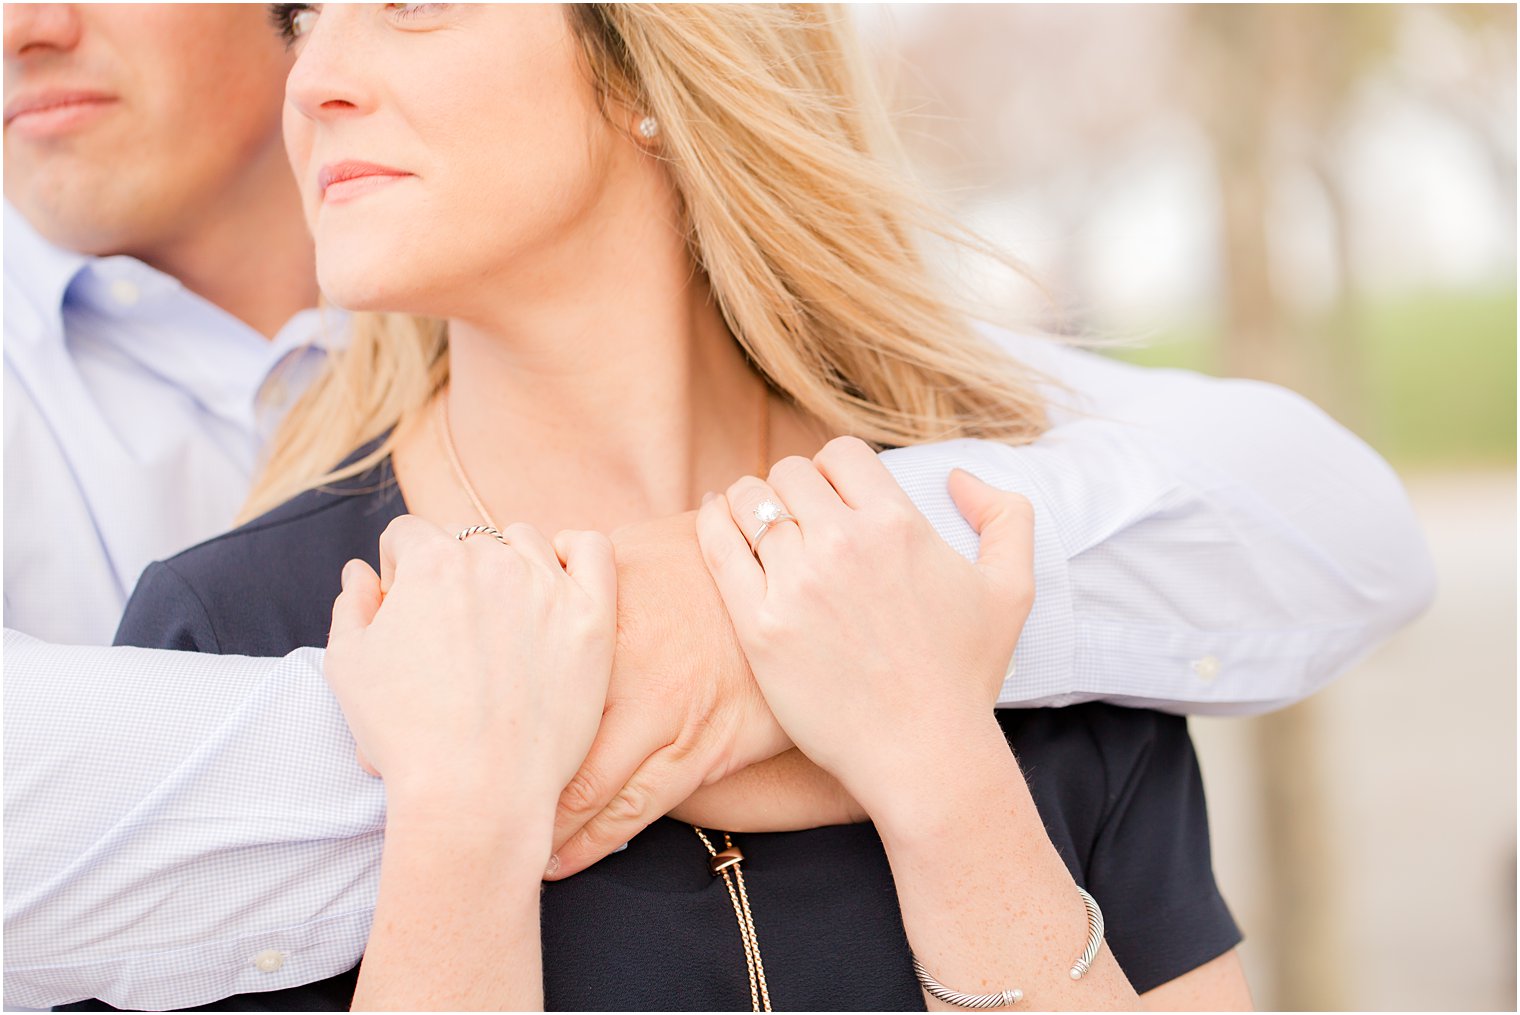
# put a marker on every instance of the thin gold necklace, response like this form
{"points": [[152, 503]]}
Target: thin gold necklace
{"points": [[446, 438], [724, 864], [446, 435]]}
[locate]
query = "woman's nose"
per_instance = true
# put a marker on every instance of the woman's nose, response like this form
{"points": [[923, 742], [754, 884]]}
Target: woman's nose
{"points": [[323, 85], [37, 29]]}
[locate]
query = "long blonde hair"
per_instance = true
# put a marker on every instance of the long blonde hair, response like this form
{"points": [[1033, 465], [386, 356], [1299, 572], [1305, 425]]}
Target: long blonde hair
{"points": [[799, 210]]}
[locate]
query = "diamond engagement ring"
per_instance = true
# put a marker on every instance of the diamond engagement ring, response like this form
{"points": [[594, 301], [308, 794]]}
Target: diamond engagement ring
{"points": [[768, 513]]}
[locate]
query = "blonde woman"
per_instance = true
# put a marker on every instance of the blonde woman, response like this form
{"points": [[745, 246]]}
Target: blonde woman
{"points": [[642, 250]]}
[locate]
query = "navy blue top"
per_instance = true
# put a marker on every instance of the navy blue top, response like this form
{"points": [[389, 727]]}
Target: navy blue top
{"points": [[649, 928]]}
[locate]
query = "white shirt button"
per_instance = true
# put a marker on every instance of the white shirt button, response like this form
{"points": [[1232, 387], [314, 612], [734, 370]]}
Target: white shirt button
{"points": [[124, 292], [1207, 668], [269, 962]]}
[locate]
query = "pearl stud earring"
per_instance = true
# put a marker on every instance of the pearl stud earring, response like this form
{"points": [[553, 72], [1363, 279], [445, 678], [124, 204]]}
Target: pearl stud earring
{"points": [[649, 127]]}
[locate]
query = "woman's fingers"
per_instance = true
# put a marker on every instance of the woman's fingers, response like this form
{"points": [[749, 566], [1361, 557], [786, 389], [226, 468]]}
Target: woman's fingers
{"points": [[588, 558], [1005, 523], [529, 542], [353, 611], [357, 604], [803, 490], [783, 540], [364, 762], [739, 578], [854, 470], [405, 536]]}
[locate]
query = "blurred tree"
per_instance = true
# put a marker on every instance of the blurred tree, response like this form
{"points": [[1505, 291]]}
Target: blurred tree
{"points": [[1271, 85], [1048, 100]]}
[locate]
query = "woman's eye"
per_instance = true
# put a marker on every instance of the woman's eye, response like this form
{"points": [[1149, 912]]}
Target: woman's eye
{"points": [[302, 21], [404, 11], [293, 21]]}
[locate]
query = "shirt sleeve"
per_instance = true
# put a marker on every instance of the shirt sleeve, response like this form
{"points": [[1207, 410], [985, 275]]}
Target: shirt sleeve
{"points": [[1202, 545], [235, 850], [1150, 869]]}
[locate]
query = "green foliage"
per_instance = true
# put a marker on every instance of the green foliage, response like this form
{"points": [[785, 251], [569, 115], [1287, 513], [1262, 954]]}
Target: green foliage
{"points": [[1441, 377], [1437, 372]]}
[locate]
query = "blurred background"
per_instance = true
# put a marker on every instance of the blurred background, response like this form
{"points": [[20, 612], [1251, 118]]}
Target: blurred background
{"points": [[1323, 197]]}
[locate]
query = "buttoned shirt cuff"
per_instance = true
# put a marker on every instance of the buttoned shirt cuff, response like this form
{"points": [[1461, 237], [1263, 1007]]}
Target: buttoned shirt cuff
{"points": [[202, 972], [1043, 662]]}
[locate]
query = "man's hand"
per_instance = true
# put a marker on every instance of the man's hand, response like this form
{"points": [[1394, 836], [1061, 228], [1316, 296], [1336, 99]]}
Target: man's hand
{"points": [[682, 710]]}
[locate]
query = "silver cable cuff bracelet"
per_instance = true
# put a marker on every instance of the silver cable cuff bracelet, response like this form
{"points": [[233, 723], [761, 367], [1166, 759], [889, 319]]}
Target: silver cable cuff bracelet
{"points": [[1013, 995]]}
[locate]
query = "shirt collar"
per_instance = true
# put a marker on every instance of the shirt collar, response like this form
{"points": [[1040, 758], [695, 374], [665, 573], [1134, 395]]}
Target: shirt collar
{"points": [[37, 277], [226, 375]]}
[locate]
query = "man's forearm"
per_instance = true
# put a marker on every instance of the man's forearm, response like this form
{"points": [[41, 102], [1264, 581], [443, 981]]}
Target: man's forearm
{"points": [[228, 786], [179, 827]]}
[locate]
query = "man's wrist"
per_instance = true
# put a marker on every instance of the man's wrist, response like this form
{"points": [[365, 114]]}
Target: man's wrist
{"points": [[667, 597]]}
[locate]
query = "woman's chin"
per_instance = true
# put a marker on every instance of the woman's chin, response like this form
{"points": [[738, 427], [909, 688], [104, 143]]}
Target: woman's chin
{"points": [[368, 291]]}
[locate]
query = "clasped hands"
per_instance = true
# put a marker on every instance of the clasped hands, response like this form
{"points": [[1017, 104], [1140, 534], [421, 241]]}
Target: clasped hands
{"points": [[591, 685]]}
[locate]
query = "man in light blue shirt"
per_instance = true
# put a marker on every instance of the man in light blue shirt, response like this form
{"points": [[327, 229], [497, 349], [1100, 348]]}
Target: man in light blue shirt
{"points": [[1201, 545], [150, 327], [134, 414]]}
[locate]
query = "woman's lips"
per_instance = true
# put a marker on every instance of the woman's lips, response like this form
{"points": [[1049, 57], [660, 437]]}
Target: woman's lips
{"points": [[51, 114], [344, 181]]}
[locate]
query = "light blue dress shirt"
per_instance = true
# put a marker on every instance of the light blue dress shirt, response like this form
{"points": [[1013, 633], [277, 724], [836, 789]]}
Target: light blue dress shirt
{"points": [[135, 412], [179, 828]]}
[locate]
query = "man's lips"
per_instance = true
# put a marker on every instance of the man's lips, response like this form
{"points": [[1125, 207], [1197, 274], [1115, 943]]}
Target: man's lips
{"points": [[351, 177], [56, 104]]}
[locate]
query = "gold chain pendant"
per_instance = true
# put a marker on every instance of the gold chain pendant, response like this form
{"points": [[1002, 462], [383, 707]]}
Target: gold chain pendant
{"points": [[726, 864]]}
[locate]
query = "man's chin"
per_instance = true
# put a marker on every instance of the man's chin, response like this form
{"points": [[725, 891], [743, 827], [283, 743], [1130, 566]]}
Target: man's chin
{"points": [[80, 215]]}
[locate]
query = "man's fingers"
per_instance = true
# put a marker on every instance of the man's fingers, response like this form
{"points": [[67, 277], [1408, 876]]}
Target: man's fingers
{"points": [[356, 605], [623, 742], [660, 784]]}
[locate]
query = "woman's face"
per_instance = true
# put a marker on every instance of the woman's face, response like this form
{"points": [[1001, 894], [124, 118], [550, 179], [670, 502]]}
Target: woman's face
{"points": [[441, 147]]}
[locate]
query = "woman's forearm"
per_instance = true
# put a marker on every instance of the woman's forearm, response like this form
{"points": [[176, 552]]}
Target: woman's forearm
{"points": [[457, 918], [987, 903]]}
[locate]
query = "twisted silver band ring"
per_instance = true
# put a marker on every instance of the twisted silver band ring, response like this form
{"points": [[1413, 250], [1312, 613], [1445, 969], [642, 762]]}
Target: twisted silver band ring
{"points": [[481, 530]]}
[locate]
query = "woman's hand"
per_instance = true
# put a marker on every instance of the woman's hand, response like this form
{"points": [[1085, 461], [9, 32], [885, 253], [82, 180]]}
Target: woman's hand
{"points": [[473, 672], [879, 648], [472, 675]]}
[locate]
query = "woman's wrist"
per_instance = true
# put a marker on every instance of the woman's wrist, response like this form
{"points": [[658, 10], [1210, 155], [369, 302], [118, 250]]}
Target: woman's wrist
{"points": [[935, 791], [473, 812]]}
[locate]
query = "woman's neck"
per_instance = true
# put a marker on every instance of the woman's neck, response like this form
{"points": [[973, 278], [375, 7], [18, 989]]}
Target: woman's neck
{"points": [[626, 405], [594, 382], [619, 416]]}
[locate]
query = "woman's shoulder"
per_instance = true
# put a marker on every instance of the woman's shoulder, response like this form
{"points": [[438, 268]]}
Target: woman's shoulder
{"points": [[267, 586], [1089, 751]]}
